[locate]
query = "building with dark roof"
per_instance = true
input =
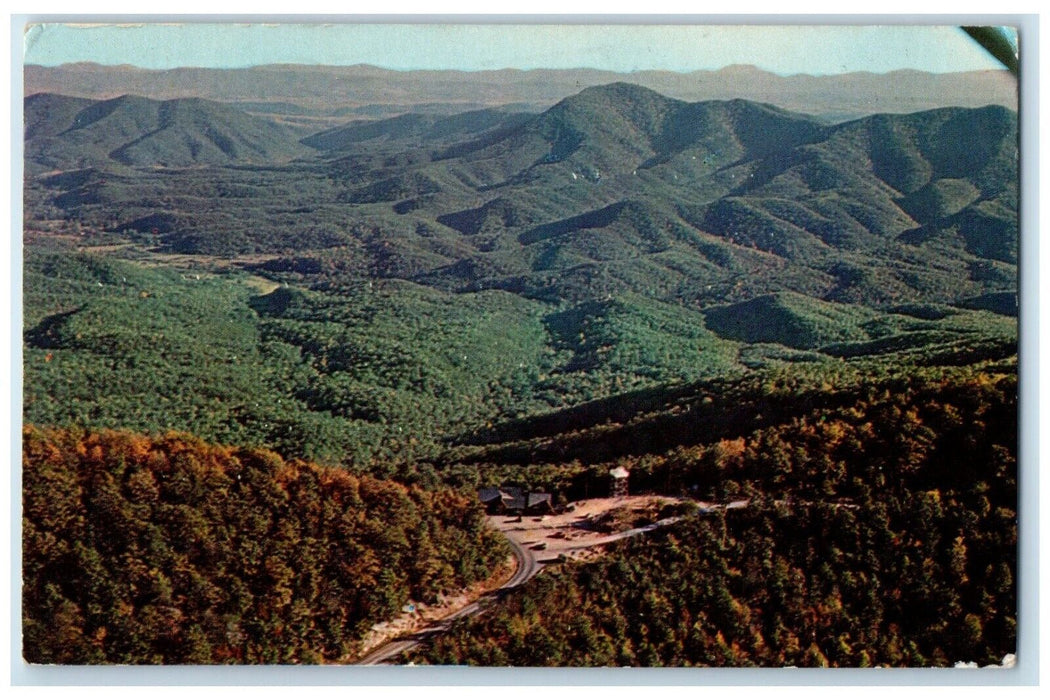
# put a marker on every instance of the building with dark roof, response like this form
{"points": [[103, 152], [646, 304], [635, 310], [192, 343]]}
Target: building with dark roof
{"points": [[515, 499]]}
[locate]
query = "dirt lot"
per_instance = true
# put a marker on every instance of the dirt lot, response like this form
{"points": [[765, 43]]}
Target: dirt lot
{"points": [[588, 524]]}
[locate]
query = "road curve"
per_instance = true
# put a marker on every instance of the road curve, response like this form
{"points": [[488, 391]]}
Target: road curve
{"points": [[527, 567]]}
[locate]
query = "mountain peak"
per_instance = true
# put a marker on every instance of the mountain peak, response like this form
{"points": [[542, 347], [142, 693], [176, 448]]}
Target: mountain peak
{"points": [[741, 69], [615, 105], [619, 91]]}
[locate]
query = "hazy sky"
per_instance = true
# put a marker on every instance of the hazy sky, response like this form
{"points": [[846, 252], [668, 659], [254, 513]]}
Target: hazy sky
{"points": [[781, 49]]}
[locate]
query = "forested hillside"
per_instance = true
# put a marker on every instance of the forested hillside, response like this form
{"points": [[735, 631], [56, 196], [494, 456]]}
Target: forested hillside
{"points": [[150, 550], [881, 530], [395, 372], [129, 130]]}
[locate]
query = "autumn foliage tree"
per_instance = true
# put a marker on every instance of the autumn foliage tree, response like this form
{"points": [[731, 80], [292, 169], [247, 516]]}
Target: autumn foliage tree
{"points": [[881, 529], [170, 550]]}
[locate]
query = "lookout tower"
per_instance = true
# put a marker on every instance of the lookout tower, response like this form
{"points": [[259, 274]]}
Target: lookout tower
{"points": [[619, 482]]}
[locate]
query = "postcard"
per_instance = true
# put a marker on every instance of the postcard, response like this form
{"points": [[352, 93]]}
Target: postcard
{"points": [[520, 345]]}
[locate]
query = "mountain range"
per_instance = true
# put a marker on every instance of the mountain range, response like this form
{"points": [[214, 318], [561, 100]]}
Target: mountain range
{"points": [[326, 95], [615, 189]]}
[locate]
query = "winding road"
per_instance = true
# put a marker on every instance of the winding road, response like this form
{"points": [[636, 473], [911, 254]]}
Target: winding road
{"points": [[528, 566]]}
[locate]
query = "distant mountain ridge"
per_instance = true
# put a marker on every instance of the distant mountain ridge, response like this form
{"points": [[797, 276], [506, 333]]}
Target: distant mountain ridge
{"points": [[66, 133], [328, 92]]}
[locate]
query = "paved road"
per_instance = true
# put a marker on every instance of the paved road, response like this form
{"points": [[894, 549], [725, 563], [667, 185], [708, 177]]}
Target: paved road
{"points": [[528, 566]]}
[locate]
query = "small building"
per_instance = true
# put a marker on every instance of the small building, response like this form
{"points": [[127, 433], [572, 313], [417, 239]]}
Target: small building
{"points": [[505, 499], [490, 496], [539, 503], [619, 477], [514, 500]]}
